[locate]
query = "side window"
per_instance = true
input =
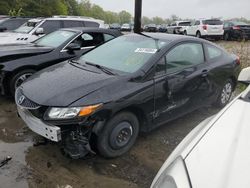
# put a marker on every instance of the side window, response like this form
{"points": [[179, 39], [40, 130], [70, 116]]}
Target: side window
{"points": [[183, 56], [197, 23], [91, 24], [70, 23], [213, 52], [89, 39], [11, 24], [226, 25], [108, 37], [51, 25]]}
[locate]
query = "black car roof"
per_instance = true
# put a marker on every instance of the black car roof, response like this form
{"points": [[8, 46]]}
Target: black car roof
{"points": [[93, 29]]}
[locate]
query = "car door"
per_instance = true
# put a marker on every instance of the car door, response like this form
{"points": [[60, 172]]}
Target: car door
{"points": [[184, 85]]}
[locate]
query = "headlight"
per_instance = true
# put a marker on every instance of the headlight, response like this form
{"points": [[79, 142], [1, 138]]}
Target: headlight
{"points": [[73, 112]]}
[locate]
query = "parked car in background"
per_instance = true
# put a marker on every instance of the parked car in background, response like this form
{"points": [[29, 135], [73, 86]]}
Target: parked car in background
{"points": [[214, 153], [115, 26], [20, 61], [133, 83], [126, 27], [236, 30], [163, 28], [178, 27], [150, 28], [35, 28], [9, 24], [206, 28]]}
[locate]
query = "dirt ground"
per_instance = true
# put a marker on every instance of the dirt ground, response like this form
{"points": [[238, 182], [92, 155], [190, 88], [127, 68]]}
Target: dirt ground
{"points": [[45, 166]]}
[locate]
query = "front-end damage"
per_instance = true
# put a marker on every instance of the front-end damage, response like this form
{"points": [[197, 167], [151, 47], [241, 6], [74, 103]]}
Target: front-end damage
{"points": [[75, 136]]}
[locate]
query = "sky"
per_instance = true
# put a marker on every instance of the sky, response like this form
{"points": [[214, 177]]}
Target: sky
{"points": [[182, 8]]}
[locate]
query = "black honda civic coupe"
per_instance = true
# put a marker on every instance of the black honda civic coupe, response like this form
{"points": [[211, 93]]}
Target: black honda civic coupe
{"points": [[19, 61], [133, 83]]}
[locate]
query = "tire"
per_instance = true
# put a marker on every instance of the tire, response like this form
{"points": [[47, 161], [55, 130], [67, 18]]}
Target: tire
{"points": [[118, 135], [18, 79], [226, 37], [198, 34], [225, 94], [185, 32]]}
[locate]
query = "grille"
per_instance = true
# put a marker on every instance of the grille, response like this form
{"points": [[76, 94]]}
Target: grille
{"points": [[23, 101]]}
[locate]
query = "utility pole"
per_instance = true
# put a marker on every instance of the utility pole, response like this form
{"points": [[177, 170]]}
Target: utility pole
{"points": [[138, 13]]}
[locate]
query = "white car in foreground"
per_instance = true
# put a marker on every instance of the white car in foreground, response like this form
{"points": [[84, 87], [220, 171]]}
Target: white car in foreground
{"points": [[206, 28], [216, 153], [36, 28]]}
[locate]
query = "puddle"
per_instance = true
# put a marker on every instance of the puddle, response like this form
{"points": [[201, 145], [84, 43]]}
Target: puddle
{"points": [[15, 173]]}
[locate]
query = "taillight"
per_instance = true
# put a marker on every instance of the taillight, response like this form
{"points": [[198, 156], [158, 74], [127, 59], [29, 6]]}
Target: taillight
{"points": [[238, 61], [204, 27], [236, 28]]}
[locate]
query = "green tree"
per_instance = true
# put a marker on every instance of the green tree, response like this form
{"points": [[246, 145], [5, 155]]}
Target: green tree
{"points": [[124, 17]]}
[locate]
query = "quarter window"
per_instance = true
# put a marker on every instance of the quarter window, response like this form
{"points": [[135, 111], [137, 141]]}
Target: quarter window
{"points": [[213, 52], [108, 37], [183, 56]]}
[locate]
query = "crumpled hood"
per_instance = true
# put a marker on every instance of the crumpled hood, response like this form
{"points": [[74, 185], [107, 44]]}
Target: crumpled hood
{"points": [[63, 84], [11, 37], [21, 49]]}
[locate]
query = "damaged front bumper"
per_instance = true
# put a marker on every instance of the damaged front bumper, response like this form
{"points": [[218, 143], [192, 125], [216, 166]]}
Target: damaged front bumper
{"points": [[50, 132]]}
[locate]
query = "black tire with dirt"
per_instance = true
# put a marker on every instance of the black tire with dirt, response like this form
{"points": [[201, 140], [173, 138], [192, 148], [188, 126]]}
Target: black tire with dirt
{"points": [[227, 37], [118, 135], [198, 34], [18, 79], [225, 94]]}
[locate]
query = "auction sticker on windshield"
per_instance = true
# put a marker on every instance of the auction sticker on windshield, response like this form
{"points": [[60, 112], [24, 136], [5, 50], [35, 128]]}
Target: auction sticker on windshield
{"points": [[146, 50]]}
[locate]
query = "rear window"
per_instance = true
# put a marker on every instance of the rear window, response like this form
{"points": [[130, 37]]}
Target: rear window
{"points": [[212, 22]]}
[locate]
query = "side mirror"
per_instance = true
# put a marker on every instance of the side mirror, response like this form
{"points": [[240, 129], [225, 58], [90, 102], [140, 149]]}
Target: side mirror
{"points": [[2, 29], [73, 47], [39, 31], [244, 76]]}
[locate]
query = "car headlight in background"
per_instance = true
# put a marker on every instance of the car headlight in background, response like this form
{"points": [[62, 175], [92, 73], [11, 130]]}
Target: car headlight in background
{"points": [[174, 176], [72, 112]]}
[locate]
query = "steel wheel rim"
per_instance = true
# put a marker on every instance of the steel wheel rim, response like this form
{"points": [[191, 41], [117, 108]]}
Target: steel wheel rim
{"points": [[121, 135], [226, 93], [21, 79]]}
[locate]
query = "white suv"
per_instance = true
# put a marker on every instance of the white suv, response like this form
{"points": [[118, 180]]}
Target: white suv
{"points": [[35, 28], [206, 28]]}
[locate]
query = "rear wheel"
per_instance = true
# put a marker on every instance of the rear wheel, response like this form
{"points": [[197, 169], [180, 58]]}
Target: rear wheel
{"points": [[226, 37], [225, 94], [198, 34], [185, 32], [18, 79], [118, 135]]}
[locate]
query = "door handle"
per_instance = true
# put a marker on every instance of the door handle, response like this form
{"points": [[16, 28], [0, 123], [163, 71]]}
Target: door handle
{"points": [[204, 73]]}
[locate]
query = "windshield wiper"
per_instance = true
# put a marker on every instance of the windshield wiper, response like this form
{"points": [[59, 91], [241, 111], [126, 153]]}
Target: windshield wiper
{"points": [[104, 69]]}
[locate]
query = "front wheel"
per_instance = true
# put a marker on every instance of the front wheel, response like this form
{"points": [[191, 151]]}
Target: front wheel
{"points": [[118, 135], [225, 94], [18, 79]]}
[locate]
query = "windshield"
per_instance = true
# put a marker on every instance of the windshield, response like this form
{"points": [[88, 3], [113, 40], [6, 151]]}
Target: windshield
{"points": [[27, 27], [184, 23], [126, 54], [55, 39]]}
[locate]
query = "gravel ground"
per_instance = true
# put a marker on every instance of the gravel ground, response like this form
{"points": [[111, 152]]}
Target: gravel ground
{"points": [[45, 166]]}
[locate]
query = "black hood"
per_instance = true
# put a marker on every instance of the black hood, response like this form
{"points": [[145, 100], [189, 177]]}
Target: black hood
{"points": [[64, 83], [15, 51]]}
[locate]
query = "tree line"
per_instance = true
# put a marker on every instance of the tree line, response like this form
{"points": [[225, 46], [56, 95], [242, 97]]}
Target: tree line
{"points": [[46, 8]]}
